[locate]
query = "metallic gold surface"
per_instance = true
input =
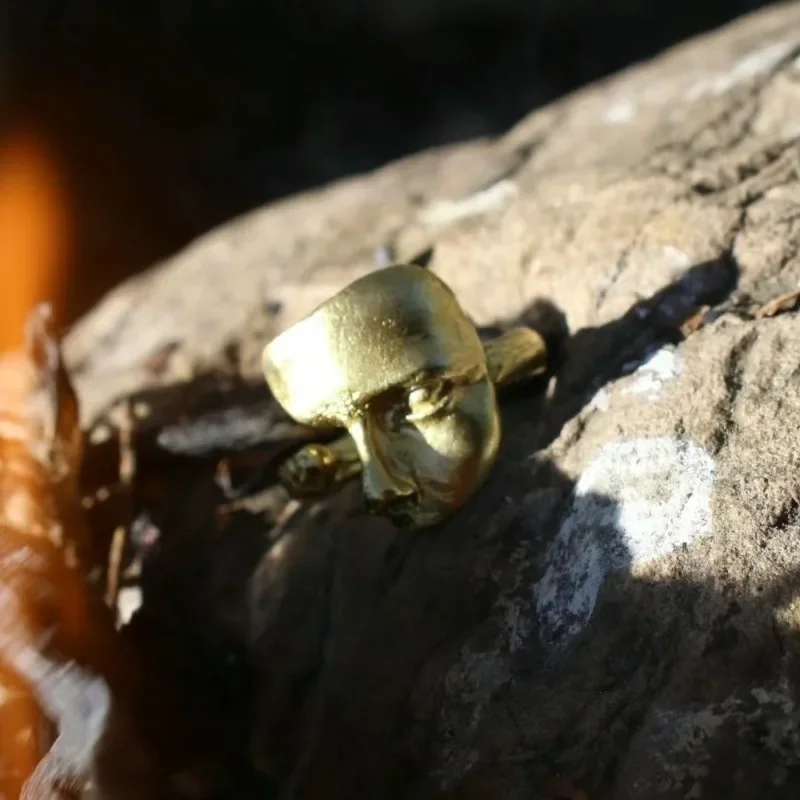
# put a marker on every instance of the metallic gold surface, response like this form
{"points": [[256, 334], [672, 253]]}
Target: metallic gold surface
{"points": [[394, 360], [318, 468], [516, 355]]}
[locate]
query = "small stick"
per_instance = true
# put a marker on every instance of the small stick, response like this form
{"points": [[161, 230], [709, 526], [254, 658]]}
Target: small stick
{"points": [[695, 321], [779, 305], [127, 470]]}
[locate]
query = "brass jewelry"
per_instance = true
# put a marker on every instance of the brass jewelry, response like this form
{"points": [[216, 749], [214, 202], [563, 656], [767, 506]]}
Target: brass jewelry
{"points": [[395, 361]]}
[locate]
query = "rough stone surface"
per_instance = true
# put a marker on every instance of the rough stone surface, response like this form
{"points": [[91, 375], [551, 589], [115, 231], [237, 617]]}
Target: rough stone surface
{"points": [[617, 611]]}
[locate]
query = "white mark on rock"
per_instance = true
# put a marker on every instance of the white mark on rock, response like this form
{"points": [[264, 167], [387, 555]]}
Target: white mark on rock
{"points": [[601, 400], [750, 66], [494, 198], [128, 603], [650, 377], [675, 258], [763, 60], [780, 696], [620, 112], [637, 500]]}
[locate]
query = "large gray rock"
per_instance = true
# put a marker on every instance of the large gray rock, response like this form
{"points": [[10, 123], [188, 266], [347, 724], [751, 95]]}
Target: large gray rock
{"points": [[616, 613]]}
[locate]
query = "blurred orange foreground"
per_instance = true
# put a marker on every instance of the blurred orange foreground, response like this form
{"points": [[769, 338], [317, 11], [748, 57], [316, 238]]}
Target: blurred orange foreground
{"points": [[35, 244], [34, 250]]}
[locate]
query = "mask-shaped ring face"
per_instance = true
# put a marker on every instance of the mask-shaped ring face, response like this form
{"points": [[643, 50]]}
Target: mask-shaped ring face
{"points": [[394, 360]]}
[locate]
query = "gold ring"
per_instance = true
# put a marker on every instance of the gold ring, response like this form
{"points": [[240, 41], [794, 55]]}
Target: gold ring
{"points": [[394, 360]]}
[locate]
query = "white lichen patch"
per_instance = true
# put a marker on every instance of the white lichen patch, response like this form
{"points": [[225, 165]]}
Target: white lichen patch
{"points": [[638, 500], [682, 739], [649, 379]]}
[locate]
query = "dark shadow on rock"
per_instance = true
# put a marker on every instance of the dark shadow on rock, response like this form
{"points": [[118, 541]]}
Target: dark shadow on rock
{"points": [[591, 357]]}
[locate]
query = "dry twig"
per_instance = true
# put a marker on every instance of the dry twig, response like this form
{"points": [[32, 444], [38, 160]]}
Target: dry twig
{"points": [[779, 305], [127, 472]]}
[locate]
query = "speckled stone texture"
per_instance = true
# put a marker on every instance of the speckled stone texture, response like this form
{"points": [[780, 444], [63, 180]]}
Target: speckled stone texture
{"points": [[617, 611]]}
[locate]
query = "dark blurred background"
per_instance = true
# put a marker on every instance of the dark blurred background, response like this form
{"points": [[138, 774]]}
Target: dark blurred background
{"points": [[165, 118]]}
